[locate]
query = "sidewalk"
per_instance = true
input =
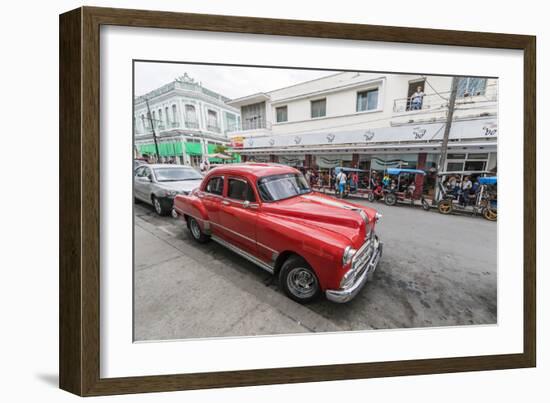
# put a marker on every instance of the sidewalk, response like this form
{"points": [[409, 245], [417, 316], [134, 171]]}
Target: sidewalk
{"points": [[186, 290]]}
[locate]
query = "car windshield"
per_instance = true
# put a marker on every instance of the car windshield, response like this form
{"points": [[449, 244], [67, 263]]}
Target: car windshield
{"points": [[279, 187], [175, 174]]}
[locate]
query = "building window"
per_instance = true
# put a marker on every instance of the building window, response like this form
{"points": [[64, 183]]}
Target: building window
{"points": [[475, 166], [319, 108], [230, 122], [253, 116], [191, 117], [455, 166], [161, 123], [471, 86], [456, 156], [166, 117], [478, 156], [282, 113], [174, 115], [212, 121], [367, 100]]}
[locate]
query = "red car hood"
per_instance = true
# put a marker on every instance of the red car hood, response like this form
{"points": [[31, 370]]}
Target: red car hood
{"points": [[328, 213]]}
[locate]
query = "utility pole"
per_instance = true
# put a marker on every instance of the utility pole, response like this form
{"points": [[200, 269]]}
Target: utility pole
{"points": [[443, 154], [153, 129]]}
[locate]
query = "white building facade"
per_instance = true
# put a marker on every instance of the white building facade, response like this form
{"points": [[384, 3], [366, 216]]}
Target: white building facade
{"points": [[368, 121], [189, 121]]}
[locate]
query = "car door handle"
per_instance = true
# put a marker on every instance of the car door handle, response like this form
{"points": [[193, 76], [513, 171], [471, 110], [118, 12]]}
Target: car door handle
{"points": [[225, 203]]}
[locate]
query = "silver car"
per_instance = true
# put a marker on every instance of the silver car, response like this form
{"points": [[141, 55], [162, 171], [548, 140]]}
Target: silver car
{"points": [[158, 184]]}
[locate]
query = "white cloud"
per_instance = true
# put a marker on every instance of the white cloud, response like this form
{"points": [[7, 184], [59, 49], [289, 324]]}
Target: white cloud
{"points": [[230, 81]]}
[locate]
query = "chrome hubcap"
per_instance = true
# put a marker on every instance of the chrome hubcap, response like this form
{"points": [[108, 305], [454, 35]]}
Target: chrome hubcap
{"points": [[301, 282], [195, 230], [158, 207]]}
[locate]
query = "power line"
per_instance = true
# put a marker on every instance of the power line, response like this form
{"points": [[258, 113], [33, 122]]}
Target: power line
{"points": [[434, 90]]}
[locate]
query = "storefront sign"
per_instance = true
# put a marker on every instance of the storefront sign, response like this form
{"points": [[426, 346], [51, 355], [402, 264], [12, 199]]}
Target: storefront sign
{"points": [[237, 142], [470, 129]]}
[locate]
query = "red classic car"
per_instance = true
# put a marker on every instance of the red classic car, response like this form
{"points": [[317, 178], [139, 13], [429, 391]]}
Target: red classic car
{"points": [[268, 214]]}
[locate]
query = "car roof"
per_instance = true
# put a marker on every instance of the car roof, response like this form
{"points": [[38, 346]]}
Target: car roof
{"points": [[255, 169], [167, 166]]}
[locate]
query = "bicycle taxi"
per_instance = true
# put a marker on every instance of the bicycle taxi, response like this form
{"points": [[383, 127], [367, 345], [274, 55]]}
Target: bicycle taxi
{"points": [[480, 200], [402, 187]]}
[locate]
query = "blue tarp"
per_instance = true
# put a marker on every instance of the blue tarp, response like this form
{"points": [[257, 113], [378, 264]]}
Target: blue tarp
{"points": [[338, 169], [488, 180], [397, 171]]}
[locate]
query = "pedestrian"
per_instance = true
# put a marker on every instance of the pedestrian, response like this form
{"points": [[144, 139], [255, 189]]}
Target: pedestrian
{"points": [[308, 177], [341, 180], [386, 181], [354, 179], [204, 166], [466, 187], [417, 98]]}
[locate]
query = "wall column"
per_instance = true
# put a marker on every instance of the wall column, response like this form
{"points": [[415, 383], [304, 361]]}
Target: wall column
{"points": [[308, 162], [355, 161], [419, 179]]}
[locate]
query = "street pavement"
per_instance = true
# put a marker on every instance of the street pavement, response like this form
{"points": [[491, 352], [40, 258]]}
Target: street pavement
{"points": [[436, 271]]}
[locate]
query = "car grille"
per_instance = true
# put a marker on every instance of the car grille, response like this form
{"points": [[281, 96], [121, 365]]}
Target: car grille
{"points": [[362, 256]]}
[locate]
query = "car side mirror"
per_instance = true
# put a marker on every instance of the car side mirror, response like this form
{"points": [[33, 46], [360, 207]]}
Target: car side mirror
{"points": [[246, 204], [150, 177]]}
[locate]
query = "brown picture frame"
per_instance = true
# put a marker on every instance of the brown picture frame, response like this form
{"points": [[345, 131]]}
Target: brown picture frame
{"points": [[79, 349]]}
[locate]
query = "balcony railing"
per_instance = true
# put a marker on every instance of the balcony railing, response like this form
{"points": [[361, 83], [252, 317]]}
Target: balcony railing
{"points": [[212, 128], [249, 125], [159, 127], [191, 125], [441, 100]]}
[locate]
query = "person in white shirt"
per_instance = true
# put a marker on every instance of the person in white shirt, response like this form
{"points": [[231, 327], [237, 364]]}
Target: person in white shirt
{"points": [[341, 179], [466, 187], [416, 99], [204, 166]]}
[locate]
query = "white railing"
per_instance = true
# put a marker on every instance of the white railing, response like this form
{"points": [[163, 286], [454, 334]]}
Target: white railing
{"points": [[441, 100]]}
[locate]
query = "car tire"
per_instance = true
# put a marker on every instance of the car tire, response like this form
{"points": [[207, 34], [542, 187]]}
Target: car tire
{"points": [[196, 231], [370, 197], [159, 207], [298, 280], [390, 199]]}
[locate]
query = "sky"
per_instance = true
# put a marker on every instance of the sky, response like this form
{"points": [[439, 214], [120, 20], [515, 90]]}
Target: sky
{"points": [[230, 81]]}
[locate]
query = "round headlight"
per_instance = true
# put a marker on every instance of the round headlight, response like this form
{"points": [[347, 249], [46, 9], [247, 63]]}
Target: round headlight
{"points": [[348, 255], [377, 217]]}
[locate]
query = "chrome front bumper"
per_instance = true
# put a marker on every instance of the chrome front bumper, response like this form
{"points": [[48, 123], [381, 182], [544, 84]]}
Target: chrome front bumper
{"points": [[348, 292]]}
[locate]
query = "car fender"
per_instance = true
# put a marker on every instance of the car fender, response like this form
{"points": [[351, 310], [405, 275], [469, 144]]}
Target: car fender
{"points": [[192, 206], [321, 249]]}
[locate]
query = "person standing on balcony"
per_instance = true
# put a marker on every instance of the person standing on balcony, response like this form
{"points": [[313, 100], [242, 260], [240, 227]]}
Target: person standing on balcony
{"points": [[417, 98]]}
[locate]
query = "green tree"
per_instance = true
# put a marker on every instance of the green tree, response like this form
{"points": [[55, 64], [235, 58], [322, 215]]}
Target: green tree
{"points": [[220, 149]]}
